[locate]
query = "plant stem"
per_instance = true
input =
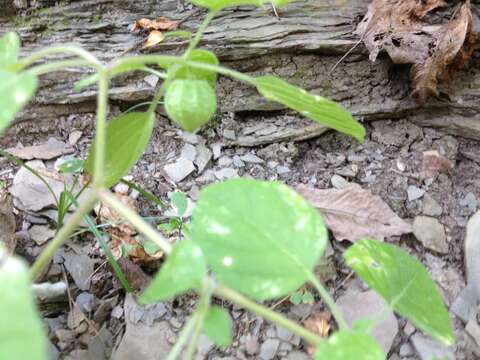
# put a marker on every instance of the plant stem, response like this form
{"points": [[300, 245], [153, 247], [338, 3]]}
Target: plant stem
{"points": [[62, 235], [146, 194], [182, 339], [58, 65], [158, 96], [268, 314], [198, 36], [141, 225], [101, 129], [329, 302]]}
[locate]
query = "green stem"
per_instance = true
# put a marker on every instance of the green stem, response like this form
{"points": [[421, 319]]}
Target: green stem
{"points": [[101, 129], [146, 194], [69, 49], [268, 314], [198, 36], [141, 225], [62, 235], [58, 65], [182, 339], [158, 96], [329, 302], [34, 172]]}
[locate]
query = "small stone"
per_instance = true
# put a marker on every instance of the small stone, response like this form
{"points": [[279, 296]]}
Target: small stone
{"points": [[430, 206], [52, 149], [414, 193], [229, 134], [465, 305], [469, 201], [226, 173], [281, 170], [271, 333], [237, 162], [41, 234], [204, 155], [151, 80], [80, 267], [252, 346], [121, 188], [406, 350], [117, 312], [204, 346], [74, 136], [297, 355], [339, 182], [189, 138], [225, 161], [252, 158], [179, 170], [217, 150], [283, 334], [473, 329], [86, 301], [430, 233], [428, 349], [189, 152], [269, 349], [408, 329]]}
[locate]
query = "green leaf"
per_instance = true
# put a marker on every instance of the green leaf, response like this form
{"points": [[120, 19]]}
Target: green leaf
{"points": [[349, 345], [21, 331], [127, 137], [296, 298], [404, 284], [220, 4], [184, 270], [314, 107], [151, 248], [71, 166], [218, 326], [9, 49], [260, 238], [308, 298], [15, 91], [190, 103], [188, 72], [179, 202]]}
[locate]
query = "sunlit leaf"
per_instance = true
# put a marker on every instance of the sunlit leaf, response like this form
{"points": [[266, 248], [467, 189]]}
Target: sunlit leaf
{"points": [[260, 238], [220, 4], [9, 48], [184, 270], [71, 166], [179, 202], [314, 107], [405, 285], [127, 137], [349, 345], [218, 326], [21, 331], [15, 92], [188, 72]]}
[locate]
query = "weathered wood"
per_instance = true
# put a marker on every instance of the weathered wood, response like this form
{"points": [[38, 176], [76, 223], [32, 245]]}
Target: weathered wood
{"points": [[302, 46]]}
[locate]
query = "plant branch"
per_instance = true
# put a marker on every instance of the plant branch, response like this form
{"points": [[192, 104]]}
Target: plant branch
{"points": [[58, 65], [101, 129], [268, 314], [182, 339], [198, 36]]}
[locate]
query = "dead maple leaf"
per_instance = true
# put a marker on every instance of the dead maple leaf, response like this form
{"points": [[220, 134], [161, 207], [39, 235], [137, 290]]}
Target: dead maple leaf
{"points": [[435, 52], [160, 23], [354, 213], [434, 163], [155, 37], [319, 324]]}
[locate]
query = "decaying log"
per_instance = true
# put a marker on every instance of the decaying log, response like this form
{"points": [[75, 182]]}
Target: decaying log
{"points": [[302, 47]]}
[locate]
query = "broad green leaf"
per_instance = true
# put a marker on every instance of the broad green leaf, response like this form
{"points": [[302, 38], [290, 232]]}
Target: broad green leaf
{"points": [[404, 284], [187, 72], [15, 91], [21, 331], [260, 238], [184, 270], [9, 48], [220, 4], [349, 345], [179, 202], [190, 103], [71, 166], [218, 326], [314, 107], [127, 137]]}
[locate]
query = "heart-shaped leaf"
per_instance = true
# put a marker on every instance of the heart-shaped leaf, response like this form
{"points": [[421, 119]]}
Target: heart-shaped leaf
{"points": [[188, 72], [15, 91], [314, 107], [9, 48], [217, 325], [184, 270], [127, 137], [404, 283], [349, 345], [21, 332], [260, 238]]}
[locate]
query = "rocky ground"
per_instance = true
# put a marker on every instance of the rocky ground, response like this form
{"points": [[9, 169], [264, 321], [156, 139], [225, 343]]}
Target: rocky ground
{"points": [[94, 318]]}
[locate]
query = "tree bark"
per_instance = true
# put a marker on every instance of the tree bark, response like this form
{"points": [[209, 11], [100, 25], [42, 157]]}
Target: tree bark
{"points": [[301, 46]]}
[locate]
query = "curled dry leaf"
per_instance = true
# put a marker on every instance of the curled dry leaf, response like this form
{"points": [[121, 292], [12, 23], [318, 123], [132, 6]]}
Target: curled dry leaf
{"points": [[435, 52], [434, 164], [354, 213], [155, 37], [160, 23], [319, 324]]}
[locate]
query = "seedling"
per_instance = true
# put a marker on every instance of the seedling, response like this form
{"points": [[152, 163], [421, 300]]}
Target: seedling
{"points": [[261, 244]]}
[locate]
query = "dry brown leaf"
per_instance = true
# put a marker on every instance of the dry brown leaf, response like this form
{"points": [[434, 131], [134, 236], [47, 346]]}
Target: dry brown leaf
{"points": [[7, 222], [318, 324], [397, 28], [155, 37], [160, 23], [354, 213], [434, 163]]}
